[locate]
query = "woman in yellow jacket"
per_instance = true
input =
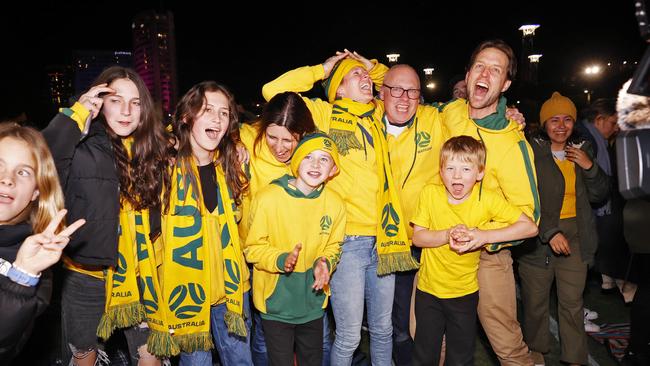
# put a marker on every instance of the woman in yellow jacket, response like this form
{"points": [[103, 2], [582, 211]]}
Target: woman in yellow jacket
{"points": [[376, 243]]}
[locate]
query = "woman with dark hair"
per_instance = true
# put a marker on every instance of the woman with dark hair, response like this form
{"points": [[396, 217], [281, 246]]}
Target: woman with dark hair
{"points": [[271, 141], [204, 276], [568, 181], [110, 151]]}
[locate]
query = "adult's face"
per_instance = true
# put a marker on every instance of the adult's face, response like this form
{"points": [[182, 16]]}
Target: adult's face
{"points": [[281, 142], [559, 128], [356, 85], [460, 90], [606, 125], [486, 79], [400, 110]]}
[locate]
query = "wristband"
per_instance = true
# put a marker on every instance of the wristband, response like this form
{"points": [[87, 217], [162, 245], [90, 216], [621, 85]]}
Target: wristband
{"points": [[17, 274]]}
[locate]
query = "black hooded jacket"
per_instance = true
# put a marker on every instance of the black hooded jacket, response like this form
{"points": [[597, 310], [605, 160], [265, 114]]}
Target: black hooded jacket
{"points": [[88, 175], [19, 305]]}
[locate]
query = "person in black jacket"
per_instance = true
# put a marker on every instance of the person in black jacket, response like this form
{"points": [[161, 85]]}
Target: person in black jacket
{"points": [[568, 181], [30, 201], [111, 152]]}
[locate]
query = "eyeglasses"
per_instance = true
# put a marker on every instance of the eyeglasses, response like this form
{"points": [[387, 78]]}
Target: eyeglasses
{"points": [[397, 92]]}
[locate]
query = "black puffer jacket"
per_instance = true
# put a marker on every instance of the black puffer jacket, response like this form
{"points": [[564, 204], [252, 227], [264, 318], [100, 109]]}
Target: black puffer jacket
{"points": [[88, 175], [19, 305]]}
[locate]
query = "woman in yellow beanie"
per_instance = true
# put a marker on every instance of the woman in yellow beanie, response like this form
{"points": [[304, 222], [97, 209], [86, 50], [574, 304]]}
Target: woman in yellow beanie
{"points": [[376, 243], [568, 181]]}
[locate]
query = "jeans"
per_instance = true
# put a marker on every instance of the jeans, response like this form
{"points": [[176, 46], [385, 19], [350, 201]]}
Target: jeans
{"points": [[258, 343], [233, 350], [82, 304], [354, 282]]}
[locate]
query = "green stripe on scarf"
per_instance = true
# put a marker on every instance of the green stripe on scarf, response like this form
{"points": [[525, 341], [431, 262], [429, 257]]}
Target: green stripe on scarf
{"points": [[393, 246], [188, 261]]}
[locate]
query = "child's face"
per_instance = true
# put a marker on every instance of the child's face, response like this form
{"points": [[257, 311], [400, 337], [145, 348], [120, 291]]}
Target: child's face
{"points": [[17, 178], [122, 108], [211, 124], [459, 178], [315, 168], [281, 142]]}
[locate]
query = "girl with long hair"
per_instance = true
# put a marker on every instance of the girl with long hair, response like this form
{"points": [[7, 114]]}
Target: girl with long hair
{"points": [[111, 150], [31, 201], [204, 275]]}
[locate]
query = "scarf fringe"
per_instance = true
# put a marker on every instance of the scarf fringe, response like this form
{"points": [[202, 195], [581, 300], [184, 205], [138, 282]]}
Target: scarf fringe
{"points": [[235, 323], [345, 140], [120, 316], [162, 344], [192, 342], [396, 262]]}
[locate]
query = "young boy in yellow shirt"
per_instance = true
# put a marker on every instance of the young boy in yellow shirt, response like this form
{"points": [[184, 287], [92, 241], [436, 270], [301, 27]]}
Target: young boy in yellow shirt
{"points": [[447, 224], [297, 226]]}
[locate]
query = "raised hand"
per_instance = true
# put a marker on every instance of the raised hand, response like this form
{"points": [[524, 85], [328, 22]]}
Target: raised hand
{"points": [[321, 274], [91, 99], [40, 251], [515, 115], [329, 64], [578, 156], [292, 259], [356, 56]]}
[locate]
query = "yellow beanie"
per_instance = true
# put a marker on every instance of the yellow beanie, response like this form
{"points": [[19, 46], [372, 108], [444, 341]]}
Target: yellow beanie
{"points": [[341, 69], [557, 104], [312, 142]]}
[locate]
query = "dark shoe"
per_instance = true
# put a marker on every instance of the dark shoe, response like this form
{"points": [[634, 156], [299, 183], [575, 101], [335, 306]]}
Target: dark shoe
{"points": [[608, 291]]}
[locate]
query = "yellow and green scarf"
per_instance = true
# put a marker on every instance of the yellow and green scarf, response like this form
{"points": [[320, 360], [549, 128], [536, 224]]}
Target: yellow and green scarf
{"points": [[393, 246], [132, 288], [187, 263]]}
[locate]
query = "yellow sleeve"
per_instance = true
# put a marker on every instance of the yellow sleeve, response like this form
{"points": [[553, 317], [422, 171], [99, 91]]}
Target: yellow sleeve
{"points": [[501, 210], [297, 80], [78, 113], [332, 250], [422, 216], [258, 249], [377, 74], [300, 80], [518, 179]]}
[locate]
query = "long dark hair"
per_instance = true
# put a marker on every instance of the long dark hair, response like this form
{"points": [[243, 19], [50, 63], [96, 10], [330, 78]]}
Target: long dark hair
{"points": [[286, 110], [187, 110], [140, 179]]}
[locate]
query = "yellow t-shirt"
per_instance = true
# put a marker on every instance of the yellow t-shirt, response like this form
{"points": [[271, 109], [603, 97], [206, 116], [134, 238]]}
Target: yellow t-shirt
{"points": [[443, 272], [569, 201]]}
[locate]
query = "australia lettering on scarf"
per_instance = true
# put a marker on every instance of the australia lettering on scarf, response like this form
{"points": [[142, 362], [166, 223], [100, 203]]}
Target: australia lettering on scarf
{"points": [[187, 254], [187, 324]]}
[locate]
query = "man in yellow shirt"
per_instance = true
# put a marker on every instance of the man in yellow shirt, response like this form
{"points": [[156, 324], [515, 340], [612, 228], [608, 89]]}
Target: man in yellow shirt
{"points": [[509, 170]]}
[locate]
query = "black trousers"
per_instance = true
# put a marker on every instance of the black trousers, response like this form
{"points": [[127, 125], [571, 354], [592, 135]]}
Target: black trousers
{"points": [[455, 318], [282, 337]]}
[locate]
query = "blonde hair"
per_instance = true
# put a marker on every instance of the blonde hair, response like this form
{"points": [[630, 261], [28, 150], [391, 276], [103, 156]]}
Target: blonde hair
{"points": [[50, 198], [464, 148]]}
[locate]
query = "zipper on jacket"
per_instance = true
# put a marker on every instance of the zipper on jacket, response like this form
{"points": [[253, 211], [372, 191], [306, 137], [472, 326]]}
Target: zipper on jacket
{"points": [[415, 153]]}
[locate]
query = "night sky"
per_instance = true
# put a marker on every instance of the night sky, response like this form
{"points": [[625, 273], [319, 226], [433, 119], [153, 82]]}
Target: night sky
{"points": [[211, 41]]}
